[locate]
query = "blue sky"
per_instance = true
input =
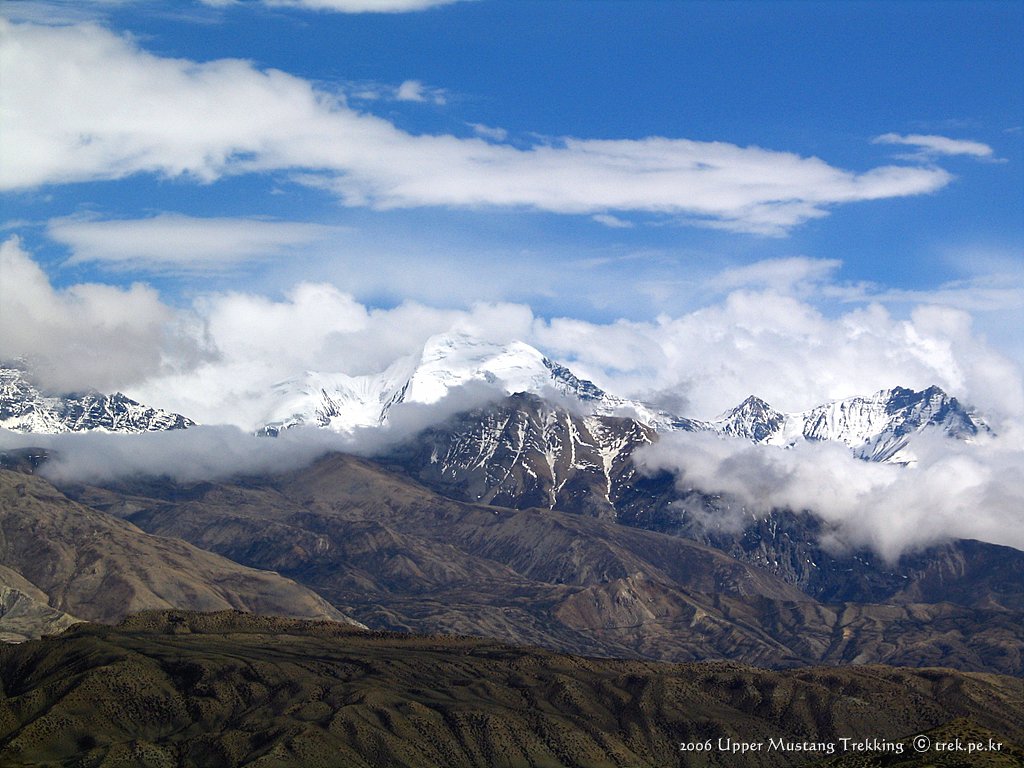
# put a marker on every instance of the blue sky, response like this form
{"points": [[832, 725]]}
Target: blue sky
{"points": [[603, 162]]}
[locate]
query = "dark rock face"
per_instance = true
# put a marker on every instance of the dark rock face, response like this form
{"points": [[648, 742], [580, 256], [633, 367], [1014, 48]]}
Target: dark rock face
{"points": [[526, 452]]}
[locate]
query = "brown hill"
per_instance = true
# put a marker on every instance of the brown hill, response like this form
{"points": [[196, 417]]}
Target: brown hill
{"points": [[182, 689], [396, 555], [74, 559]]}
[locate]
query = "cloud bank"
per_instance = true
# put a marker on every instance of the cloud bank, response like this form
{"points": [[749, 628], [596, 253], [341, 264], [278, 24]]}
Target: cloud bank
{"points": [[219, 452], [71, 104], [88, 335], [956, 491], [217, 360]]}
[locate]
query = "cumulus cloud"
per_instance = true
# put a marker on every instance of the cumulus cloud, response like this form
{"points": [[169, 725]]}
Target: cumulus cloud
{"points": [[414, 90], [175, 241], [258, 343], [71, 99], [937, 145], [783, 349], [955, 491], [89, 335], [217, 360]]}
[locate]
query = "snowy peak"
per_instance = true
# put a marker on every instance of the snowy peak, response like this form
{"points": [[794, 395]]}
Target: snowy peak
{"points": [[753, 419], [447, 361], [451, 360], [24, 408], [877, 428], [336, 400]]}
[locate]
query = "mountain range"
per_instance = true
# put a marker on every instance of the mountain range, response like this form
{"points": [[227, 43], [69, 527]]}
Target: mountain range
{"points": [[524, 519], [392, 554], [551, 440], [878, 427], [24, 408]]}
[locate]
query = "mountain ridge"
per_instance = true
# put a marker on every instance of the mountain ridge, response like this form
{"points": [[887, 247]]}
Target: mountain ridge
{"points": [[877, 427], [25, 408]]}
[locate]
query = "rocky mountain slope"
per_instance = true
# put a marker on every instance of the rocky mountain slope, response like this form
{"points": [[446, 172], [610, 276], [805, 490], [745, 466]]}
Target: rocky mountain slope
{"points": [[182, 689], [394, 555], [525, 452], [24, 408], [64, 556]]}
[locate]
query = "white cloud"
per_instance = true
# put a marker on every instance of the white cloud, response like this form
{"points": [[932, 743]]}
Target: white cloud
{"points": [[354, 6], [216, 452], [489, 132], [612, 221], [410, 90], [779, 274], [88, 335], [783, 349], [936, 145], [956, 491], [217, 360], [172, 240], [71, 97]]}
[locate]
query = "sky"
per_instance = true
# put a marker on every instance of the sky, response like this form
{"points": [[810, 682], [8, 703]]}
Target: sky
{"points": [[687, 202]]}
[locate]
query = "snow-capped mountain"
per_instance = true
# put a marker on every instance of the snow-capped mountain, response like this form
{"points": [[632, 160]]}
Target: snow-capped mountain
{"points": [[876, 428], [753, 419], [24, 408], [525, 451], [447, 361]]}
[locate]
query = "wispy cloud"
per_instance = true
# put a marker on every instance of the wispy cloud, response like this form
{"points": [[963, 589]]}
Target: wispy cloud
{"points": [[937, 145], [175, 241], [347, 6], [414, 90], [612, 221], [71, 115], [778, 274], [489, 132]]}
